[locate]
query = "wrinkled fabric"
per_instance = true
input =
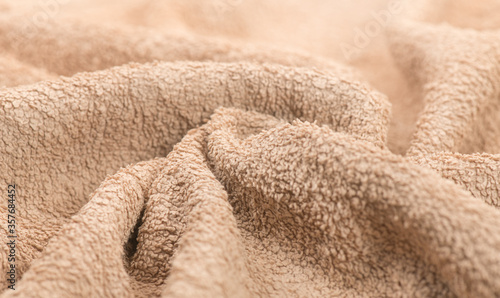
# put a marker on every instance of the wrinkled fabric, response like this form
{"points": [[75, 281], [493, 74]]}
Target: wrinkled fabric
{"points": [[197, 160]]}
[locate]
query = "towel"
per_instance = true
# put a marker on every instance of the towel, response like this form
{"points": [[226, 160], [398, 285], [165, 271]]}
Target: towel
{"points": [[249, 148]]}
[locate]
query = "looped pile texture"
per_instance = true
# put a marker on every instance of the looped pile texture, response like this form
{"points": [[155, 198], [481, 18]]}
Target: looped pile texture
{"points": [[157, 164]]}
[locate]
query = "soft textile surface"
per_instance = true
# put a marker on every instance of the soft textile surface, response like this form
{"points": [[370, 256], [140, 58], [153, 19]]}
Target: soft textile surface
{"points": [[251, 148]]}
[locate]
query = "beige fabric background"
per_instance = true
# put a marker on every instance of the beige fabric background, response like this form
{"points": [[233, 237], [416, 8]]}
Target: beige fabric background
{"points": [[233, 148]]}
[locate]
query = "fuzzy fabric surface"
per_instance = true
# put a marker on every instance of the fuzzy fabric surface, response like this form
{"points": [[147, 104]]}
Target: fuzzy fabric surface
{"points": [[250, 148]]}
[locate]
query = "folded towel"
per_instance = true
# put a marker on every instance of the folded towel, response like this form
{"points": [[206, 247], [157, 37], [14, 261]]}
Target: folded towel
{"points": [[136, 162]]}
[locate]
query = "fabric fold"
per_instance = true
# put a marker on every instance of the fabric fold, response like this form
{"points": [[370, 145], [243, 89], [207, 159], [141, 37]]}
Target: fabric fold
{"points": [[459, 73], [90, 125], [277, 209], [315, 195], [478, 173], [156, 162], [85, 258]]}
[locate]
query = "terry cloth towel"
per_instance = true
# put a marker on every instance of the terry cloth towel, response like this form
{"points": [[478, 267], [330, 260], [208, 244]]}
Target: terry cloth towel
{"points": [[143, 157]]}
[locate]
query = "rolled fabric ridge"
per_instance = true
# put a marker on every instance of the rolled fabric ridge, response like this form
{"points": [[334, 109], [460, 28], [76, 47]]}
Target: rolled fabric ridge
{"points": [[137, 112], [461, 85], [394, 195], [184, 189], [477, 173], [188, 216], [89, 48], [85, 258]]}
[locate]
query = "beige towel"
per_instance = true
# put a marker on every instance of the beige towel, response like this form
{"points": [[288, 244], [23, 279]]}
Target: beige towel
{"points": [[169, 164]]}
